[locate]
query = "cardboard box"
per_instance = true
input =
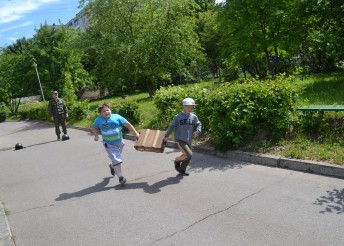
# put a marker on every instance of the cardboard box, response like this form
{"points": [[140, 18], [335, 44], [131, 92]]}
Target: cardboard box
{"points": [[151, 141]]}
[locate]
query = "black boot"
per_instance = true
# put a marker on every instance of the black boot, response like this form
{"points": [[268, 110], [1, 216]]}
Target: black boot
{"points": [[177, 165]]}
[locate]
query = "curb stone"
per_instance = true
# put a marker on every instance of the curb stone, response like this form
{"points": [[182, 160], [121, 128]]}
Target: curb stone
{"points": [[5, 232], [314, 167]]}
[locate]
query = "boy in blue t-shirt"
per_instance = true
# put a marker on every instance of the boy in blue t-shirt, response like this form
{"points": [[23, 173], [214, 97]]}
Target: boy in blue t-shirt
{"points": [[110, 126]]}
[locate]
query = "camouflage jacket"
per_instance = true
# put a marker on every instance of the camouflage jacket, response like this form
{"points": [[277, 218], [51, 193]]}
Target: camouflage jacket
{"points": [[57, 107]]}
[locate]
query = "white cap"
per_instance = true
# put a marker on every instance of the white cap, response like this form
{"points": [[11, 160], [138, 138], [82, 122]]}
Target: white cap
{"points": [[188, 101]]}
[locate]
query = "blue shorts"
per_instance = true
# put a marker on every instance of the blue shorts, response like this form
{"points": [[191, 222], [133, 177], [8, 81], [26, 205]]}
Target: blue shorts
{"points": [[114, 152]]}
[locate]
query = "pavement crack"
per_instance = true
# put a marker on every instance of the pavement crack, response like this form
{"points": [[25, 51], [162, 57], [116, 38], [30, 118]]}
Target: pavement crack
{"points": [[218, 212]]}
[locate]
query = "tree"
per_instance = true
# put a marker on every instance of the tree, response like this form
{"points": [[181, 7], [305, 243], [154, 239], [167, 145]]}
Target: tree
{"points": [[10, 90], [56, 58], [259, 35], [147, 42], [323, 47], [209, 35]]}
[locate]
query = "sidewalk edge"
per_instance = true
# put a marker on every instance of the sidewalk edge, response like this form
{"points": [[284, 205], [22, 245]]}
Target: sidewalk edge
{"points": [[5, 231], [314, 167]]}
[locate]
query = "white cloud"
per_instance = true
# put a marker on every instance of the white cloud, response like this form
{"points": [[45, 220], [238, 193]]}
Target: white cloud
{"points": [[15, 27], [16, 9]]}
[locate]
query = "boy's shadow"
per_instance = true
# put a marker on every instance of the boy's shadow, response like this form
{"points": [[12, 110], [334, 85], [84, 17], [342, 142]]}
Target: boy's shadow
{"points": [[93, 189], [151, 189]]}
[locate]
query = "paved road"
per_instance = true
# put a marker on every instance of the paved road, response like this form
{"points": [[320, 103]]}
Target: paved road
{"points": [[62, 193]]}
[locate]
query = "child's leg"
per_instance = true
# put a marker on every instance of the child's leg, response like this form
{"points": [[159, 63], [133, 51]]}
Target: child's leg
{"points": [[118, 169], [115, 154], [186, 155]]}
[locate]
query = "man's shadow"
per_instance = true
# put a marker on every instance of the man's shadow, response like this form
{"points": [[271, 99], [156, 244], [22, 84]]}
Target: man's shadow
{"points": [[87, 191], [151, 189]]}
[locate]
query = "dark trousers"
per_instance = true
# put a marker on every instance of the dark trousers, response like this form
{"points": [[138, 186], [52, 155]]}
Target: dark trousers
{"points": [[60, 120], [185, 158]]}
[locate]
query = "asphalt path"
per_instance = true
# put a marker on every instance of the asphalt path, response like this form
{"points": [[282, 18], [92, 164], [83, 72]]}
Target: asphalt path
{"points": [[62, 193]]}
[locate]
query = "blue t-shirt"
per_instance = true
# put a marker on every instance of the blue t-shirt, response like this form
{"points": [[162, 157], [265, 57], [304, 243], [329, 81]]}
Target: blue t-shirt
{"points": [[111, 128]]}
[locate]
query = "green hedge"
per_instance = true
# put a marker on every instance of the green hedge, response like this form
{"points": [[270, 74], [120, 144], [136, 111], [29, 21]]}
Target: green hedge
{"points": [[2, 116], [232, 114], [78, 110], [127, 109], [34, 111]]}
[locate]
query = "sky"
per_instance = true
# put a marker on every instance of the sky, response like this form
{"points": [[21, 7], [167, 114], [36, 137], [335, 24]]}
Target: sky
{"points": [[20, 18]]}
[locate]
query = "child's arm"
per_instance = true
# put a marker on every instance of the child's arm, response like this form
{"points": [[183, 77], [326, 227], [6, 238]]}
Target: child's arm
{"points": [[132, 129], [170, 129], [95, 133], [198, 126]]}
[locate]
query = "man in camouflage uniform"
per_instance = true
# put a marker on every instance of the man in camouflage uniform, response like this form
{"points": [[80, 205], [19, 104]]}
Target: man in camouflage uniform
{"points": [[58, 112]]}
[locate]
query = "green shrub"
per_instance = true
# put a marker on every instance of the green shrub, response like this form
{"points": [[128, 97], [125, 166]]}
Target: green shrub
{"points": [[78, 110], [234, 113], [34, 111], [129, 110], [2, 116], [325, 126], [242, 110], [168, 100]]}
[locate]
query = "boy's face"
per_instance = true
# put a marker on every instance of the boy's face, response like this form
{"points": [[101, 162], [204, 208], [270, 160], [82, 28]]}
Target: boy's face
{"points": [[106, 112], [188, 109]]}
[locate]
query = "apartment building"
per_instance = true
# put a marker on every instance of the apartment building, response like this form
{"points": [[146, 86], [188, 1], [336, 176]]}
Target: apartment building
{"points": [[79, 21]]}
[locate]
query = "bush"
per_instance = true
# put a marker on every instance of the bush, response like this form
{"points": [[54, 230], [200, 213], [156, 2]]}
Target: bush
{"points": [[235, 113], [34, 111], [242, 110], [324, 126], [129, 110], [168, 100], [2, 116], [78, 110]]}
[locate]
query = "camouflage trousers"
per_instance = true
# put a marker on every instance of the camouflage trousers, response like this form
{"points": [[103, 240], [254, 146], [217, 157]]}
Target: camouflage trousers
{"points": [[60, 120]]}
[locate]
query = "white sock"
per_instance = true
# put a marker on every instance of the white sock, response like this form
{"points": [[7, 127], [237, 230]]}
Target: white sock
{"points": [[119, 175]]}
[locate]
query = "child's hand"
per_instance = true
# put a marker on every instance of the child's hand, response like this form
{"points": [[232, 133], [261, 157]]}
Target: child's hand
{"points": [[137, 135], [195, 135], [96, 138]]}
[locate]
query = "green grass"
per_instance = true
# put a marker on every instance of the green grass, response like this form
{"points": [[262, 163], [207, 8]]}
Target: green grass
{"points": [[322, 89], [316, 90]]}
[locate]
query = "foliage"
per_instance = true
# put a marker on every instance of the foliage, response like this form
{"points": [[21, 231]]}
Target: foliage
{"points": [[260, 35], [2, 116], [10, 89], [234, 113], [323, 126], [78, 110], [55, 56], [143, 42], [34, 111], [127, 109]]}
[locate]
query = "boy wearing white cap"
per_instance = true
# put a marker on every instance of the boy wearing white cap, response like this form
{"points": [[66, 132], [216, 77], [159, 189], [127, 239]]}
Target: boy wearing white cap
{"points": [[186, 126]]}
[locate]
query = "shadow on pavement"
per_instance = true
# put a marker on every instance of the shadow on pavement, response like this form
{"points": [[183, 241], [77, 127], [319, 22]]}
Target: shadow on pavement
{"points": [[333, 202], [32, 125], [93, 189], [201, 162], [32, 145], [151, 189]]}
